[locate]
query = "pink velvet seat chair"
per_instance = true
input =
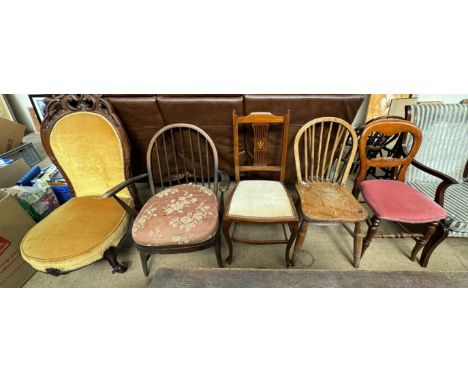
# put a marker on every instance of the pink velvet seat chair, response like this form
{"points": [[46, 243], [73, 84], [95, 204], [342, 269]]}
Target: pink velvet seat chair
{"points": [[395, 200]]}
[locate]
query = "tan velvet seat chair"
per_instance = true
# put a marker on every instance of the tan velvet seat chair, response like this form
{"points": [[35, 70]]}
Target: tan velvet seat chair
{"points": [[85, 140]]}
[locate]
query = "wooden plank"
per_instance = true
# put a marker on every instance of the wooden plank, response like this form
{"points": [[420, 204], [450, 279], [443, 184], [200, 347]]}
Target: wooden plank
{"points": [[305, 278]]}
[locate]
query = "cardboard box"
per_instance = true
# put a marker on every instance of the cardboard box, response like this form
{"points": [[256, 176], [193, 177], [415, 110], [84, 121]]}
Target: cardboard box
{"points": [[11, 135], [12, 172], [14, 224]]}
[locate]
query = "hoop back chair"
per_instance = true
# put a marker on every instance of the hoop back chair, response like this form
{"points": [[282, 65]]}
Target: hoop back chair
{"points": [[324, 149], [393, 199], [260, 201], [184, 214], [86, 141]]}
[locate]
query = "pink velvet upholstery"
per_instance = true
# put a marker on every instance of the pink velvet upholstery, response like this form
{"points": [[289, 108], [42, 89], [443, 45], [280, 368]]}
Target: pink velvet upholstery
{"points": [[183, 214], [398, 201]]}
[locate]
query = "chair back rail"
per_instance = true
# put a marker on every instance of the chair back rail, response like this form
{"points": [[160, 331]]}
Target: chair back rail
{"points": [[182, 153], [387, 127], [324, 150], [260, 124], [445, 146]]}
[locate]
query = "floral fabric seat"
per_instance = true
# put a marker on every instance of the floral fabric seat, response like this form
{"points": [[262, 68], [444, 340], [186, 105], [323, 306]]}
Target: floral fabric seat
{"points": [[183, 214]]}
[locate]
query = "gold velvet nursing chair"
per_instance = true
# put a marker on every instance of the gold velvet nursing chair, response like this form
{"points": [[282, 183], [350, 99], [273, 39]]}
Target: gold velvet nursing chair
{"points": [[86, 141]]}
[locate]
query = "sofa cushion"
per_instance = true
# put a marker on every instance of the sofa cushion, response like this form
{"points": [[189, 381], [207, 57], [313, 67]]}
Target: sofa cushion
{"points": [[183, 214]]}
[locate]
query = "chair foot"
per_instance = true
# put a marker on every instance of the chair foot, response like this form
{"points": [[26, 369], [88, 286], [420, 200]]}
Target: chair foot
{"points": [[219, 258], [441, 233], [144, 263], [358, 239], [299, 241], [421, 242], [111, 256], [226, 226], [370, 234]]}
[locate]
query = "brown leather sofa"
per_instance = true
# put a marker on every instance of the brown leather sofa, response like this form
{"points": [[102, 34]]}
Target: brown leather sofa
{"points": [[144, 115]]}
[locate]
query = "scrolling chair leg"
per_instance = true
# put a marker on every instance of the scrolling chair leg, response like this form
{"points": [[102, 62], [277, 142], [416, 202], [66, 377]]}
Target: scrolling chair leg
{"points": [[219, 258], [292, 238], [441, 233], [111, 256], [226, 226], [421, 242]]}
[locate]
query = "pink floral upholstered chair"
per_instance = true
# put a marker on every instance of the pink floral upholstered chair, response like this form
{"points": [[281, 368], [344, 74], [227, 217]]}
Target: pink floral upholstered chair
{"points": [[185, 215]]}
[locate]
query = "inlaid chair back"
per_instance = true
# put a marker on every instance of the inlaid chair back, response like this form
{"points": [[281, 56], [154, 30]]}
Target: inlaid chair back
{"points": [[261, 124], [86, 141], [182, 153], [324, 149], [445, 146], [388, 127]]}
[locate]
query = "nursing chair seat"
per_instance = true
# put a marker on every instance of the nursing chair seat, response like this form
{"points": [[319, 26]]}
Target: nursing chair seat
{"points": [[75, 234], [183, 214], [249, 200], [398, 201]]}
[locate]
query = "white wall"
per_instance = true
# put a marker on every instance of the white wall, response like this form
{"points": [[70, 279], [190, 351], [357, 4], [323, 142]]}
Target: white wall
{"points": [[20, 104], [445, 98]]}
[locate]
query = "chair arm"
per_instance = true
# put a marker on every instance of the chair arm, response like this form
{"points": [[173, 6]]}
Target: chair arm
{"points": [[114, 190], [225, 181], [446, 181]]}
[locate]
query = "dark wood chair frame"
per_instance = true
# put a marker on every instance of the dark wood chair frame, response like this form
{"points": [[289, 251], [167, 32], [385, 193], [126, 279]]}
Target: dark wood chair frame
{"points": [[400, 162], [212, 178], [261, 123], [64, 104]]}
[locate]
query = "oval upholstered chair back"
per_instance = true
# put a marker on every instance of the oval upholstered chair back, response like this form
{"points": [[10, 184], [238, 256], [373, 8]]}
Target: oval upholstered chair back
{"points": [[86, 141], [445, 140]]}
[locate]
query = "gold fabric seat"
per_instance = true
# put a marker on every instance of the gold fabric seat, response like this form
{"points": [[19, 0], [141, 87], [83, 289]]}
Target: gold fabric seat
{"points": [[85, 140], [75, 234]]}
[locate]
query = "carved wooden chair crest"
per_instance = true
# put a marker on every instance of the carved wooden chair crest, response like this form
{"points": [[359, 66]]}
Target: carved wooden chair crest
{"points": [[260, 201], [86, 141], [184, 214], [324, 149], [393, 199]]}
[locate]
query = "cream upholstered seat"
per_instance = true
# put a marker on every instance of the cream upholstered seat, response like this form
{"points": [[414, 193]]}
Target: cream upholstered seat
{"points": [[249, 199]]}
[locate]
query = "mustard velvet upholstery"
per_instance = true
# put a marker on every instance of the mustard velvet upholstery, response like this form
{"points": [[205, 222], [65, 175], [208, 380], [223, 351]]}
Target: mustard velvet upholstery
{"points": [[75, 235], [90, 152], [78, 233]]}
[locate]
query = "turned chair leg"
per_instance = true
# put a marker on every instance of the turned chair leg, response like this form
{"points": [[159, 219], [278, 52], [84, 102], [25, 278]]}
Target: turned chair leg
{"points": [[375, 221], [226, 226], [111, 256], [434, 241], [292, 238], [299, 241], [421, 242], [144, 263], [358, 238]]}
